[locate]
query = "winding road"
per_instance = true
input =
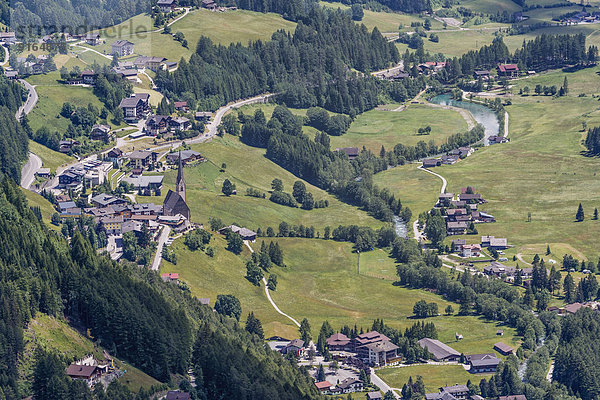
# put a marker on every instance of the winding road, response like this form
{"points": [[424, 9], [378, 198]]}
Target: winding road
{"points": [[34, 163]]}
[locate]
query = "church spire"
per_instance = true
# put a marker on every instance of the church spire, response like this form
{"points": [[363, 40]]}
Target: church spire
{"points": [[180, 185]]}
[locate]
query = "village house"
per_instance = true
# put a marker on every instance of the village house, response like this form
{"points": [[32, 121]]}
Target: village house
{"points": [[483, 363], [179, 124], [93, 39], [500, 270], [481, 217], [457, 245], [151, 63], [444, 199], [178, 395], [338, 342], [104, 200], [101, 132], [122, 48], [456, 228], [381, 353], [458, 391], [209, 4], [504, 349], [146, 183], [450, 159], [125, 73], [452, 213], [471, 198], [295, 346], [89, 77], [66, 146], [470, 250], [157, 124], [245, 233], [43, 173], [112, 225], [497, 139], [351, 152], [508, 70], [115, 155], [494, 242], [483, 74], [323, 387], [439, 350], [187, 156], [166, 5], [350, 385], [170, 277], [431, 162], [181, 106], [374, 396], [142, 159], [203, 116], [11, 74], [135, 107]]}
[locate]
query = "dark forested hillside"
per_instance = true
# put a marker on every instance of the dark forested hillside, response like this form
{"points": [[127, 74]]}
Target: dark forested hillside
{"points": [[129, 311], [312, 67], [13, 138], [407, 6]]}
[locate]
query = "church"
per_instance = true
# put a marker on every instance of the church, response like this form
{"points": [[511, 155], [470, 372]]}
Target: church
{"points": [[175, 203]]}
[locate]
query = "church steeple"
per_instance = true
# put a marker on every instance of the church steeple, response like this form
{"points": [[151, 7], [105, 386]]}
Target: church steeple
{"points": [[180, 185]]}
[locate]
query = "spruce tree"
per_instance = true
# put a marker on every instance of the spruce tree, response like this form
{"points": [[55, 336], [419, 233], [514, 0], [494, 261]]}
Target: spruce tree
{"points": [[595, 213], [580, 215]]}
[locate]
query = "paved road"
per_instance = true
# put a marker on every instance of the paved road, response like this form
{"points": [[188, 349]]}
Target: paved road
{"points": [[33, 164], [212, 126], [444, 182], [505, 123], [6, 56], [384, 387], [31, 101], [92, 50], [164, 235], [187, 10]]}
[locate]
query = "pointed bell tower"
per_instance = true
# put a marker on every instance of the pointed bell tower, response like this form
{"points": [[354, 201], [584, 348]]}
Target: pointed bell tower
{"points": [[180, 185]]}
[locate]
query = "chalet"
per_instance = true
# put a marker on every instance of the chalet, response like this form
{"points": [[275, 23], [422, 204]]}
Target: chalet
{"points": [[470, 250], [381, 353], [136, 106], [187, 156], [351, 152], [338, 342], [323, 386], [129, 74], [457, 244], [367, 338], [572, 308], [484, 75], [508, 70], [430, 163], [87, 373], [157, 124], [439, 396], [105, 200], [89, 77], [209, 4], [498, 243], [458, 391], [93, 39], [178, 395], [70, 179], [150, 183], [513, 397], [166, 5], [152, 63], [456, 228], [497, 139], [204, 116], [66, 146], [170, 277], [122, 48], [483, 363], [350, 385], [450, 159], [481, 217], [145, 209], [245, 233], [8, 37], [112, 225], [180, 124], [181, 106], [471, 198], [101, 132], [444, 199], [500, 270], [115, 155], [11, 74], [439, 350], [171, 65], [504, 349], [142, 158], [43, 173], [295, 346], [451, 213]]}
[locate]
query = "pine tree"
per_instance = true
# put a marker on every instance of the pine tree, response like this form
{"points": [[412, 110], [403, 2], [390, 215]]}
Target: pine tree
{"points": [[580, 215], [254, 326], [548, 250], [304, 331], [569, 289], [565, 86], [228, 187], [595, 213]]}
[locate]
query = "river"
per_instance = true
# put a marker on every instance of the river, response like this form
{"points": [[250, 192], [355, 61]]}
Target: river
{"points": [[400, 227], [481, 113]]}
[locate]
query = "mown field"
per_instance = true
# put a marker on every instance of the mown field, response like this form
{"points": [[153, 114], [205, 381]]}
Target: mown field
{"points": [[375, 128], [434, 376]]}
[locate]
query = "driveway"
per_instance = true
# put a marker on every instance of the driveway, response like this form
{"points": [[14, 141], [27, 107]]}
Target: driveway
{"points": [[164, 235]]}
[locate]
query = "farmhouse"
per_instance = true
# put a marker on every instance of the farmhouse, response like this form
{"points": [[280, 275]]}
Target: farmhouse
{"points": [[351, 152], [508, 70], [179, 124], [187, 156], [115, 155], [88, 373], [471, 250], [484, 74], [471, 198], [503, 349], [450, 159], [245, 233], [494, 242], [93, 39], [430, 163], [444, 199], [170, 277], [89, 77], [458, 391], [498, 139], [439, 396], [483, 363], [152, 63], [166, 5], [456, 228], [295, 346], [136, 106], [204, 116], [439, 350], [209, 4], [122, 48], [101, 132], [350, 385]]}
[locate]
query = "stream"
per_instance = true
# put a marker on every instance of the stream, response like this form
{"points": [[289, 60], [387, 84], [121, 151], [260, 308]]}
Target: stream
{"points": [[400, 227], [481, 113]]}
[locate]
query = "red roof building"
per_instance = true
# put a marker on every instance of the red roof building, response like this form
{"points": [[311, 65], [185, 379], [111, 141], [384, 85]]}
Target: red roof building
{"points": [[338, 342], [508, 70]]}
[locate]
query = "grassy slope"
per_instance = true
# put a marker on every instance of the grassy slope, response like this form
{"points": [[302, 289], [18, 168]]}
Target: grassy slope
{"points": [[247, 167], [50, 158], [388, 128], [50, 333], [46, 207]]}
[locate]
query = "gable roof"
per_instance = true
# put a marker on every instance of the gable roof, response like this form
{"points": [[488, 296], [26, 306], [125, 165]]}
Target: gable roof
{"points": [[503, 347], [171, 201], [177, 395], [437, 348], [81, 371]]}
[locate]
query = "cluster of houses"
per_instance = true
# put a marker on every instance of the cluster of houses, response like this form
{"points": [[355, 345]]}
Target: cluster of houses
{"points": [[161, 124], [94, 172], [452, 157], [463, 211], [461, 392], [582, 17], [433, 67], [574, 307]]}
